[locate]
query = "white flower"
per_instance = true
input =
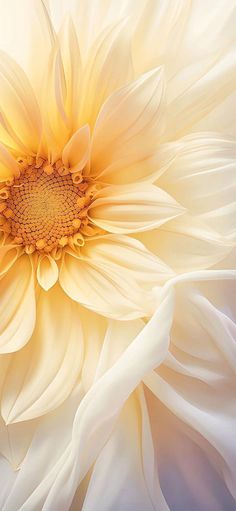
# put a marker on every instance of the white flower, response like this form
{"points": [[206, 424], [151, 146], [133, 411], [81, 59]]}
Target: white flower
{"points": [[117, 214]]}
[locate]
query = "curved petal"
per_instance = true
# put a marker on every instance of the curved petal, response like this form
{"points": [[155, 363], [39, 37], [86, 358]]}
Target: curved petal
{"points": [[76, 152], [61, 91], [202, 173], [199, 384], [20, 121], [91, 22], [129, 255], [99, 411], [47, 272], [187, 244], [101, 76], [8, 477], [113, 276], [26, 33], [119, 481], [47, 450], [15, 440], [17, 310], [187, 107], [190, 469], [8, 166], [33, 386], [132, 208], [71, 62], [129, 123], [56, 122], [158, 26], [8, 256]]}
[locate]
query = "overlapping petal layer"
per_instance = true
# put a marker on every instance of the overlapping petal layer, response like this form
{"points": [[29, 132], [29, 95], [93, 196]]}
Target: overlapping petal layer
{"points": [[118, 375]]}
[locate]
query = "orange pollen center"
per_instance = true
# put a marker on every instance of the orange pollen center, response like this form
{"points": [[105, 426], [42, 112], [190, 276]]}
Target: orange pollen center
{"points": [[45, 207]]}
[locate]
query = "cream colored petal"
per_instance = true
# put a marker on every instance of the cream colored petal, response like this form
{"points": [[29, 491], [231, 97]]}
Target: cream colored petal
{"points": [[133, 208], [202, 174], [8, 256], [159, 24], [113, 276], [76, 152], [94, 329], [187, 461], [98, 412], [33, 386], [209, 317], [130, 123], [117, 338], [199, 384], [15, 440], [61, 91], [222, 115], [147, 166], [129, 255], [17, 311], [20, 122], [26, 33], [8, 165], [188, 244], [118, 480], [47, 451], [101, 77], [98, 289], [223, 221], [71, 61], [213, 422], [187, 107], [56, 121], [47, 272], [91, 22], [8, 476], [207, 57]]}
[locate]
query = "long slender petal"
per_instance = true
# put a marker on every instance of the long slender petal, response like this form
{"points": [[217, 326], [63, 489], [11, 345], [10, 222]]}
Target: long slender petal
{"points": [[32, 386]]}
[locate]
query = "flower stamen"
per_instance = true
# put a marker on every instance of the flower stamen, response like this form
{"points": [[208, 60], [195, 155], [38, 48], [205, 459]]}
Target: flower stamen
{"points": [[45, 206]]}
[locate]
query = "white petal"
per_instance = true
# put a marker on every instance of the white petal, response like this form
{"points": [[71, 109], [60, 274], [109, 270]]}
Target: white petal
{"points": [[129, 123], [99, 410], [117, 479], [114, 277], [101, 77], [91, 22], [199, 384], [15, 440], [188, 244], [158, 26], [186, 462], [187, 107], [27, 36], [8, 476], [33, 386], [202, 174], [133, 208], [223, 220], [20, 121], [48, 452], [17, 311]]}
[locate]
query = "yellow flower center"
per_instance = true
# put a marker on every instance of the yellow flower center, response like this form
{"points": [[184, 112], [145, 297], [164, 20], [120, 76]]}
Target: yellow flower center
{"points": [[45, 206]]}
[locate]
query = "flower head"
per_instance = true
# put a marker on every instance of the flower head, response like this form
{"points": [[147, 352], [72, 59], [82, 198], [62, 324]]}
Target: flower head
{"points": [[117, 177]]}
